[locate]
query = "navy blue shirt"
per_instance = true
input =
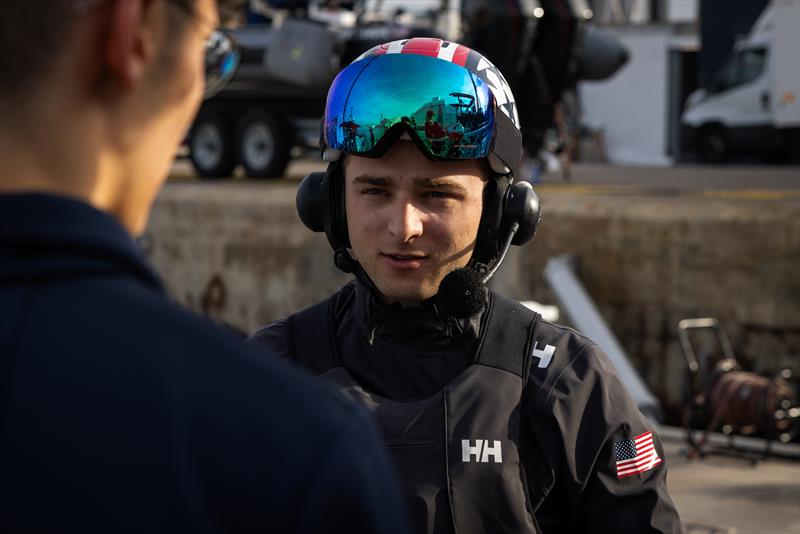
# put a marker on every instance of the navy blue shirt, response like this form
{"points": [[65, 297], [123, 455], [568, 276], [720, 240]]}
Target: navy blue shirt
{"points": [[121, 411]]}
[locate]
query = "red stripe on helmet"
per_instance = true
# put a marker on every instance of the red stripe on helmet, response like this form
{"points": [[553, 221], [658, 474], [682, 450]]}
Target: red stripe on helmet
{"points": [[423, 46], [460, 57]]}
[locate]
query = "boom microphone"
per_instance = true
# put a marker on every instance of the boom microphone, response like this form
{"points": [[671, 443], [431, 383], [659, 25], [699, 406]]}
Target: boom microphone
{"points": [[463, 291]]}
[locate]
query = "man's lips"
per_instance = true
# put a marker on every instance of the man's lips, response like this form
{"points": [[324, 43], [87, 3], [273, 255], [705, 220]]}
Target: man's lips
{"points": [[404, 261]]}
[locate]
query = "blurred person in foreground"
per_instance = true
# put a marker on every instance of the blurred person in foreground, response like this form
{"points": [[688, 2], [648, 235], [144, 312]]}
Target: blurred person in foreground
{"points": [[497, 420], [118, 409]]}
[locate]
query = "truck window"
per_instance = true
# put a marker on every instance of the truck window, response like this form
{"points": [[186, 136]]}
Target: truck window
{"points": [[746, 66], [751, 64]]}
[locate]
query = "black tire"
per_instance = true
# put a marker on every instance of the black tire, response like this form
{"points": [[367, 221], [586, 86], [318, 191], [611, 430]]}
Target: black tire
{"points": [[714, 144], [211, 147], [263, 145]]}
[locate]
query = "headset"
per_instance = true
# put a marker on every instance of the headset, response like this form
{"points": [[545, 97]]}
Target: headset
{"points": [[511, 215]]}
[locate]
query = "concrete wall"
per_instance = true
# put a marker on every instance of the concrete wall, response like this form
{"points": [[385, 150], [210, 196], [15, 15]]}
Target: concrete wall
{"points": [[648, 263], [239, 253]]}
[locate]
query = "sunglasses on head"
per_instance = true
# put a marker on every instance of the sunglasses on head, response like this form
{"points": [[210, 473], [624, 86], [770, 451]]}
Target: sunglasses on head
{"points": [[222, 54]]}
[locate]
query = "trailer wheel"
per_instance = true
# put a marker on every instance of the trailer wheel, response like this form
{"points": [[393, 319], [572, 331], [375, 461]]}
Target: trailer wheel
{"points": [[211, 146], [263, 145], [714, 144]]}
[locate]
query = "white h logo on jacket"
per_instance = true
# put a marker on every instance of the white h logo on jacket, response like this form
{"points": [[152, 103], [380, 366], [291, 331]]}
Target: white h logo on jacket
{"points": [[482, 451]]}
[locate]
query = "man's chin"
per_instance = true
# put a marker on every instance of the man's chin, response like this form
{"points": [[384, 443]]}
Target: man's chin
{"points": [[395, 293]]}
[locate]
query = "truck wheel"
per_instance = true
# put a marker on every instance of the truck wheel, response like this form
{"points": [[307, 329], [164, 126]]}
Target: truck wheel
{"points": [[714, 144], [263, 145], [211, 147]]}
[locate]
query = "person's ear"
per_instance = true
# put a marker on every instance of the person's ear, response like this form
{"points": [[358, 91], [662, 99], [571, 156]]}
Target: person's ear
{"points": [[130, 41]]}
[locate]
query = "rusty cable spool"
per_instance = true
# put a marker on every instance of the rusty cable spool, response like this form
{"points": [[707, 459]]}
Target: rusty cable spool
{"points": [[744, 403], [732, 400], [747, 403]]}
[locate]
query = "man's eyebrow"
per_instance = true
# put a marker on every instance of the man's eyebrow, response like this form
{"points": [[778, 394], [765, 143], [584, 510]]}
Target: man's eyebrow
{"points": [[420, 182], [438, 183], [372, 180]]}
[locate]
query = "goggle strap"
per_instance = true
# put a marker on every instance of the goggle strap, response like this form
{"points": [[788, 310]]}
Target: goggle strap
{"points": [[497, 165], [331, 154], [507, 142]]}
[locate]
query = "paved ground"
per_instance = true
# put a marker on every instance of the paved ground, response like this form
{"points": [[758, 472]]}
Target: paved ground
{"points": [[730, 495]]}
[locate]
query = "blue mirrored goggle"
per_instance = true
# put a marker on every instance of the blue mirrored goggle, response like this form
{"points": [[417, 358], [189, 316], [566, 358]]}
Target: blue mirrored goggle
{"points": [[448, 110]]}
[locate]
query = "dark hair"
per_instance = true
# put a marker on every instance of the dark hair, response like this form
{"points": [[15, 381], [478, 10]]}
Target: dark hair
{"points": [[33, 33]]}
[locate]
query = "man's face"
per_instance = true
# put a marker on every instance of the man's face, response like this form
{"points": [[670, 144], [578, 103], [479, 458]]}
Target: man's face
{"points": [[412, 220]]}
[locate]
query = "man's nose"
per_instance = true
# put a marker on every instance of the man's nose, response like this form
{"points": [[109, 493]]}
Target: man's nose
{"points": [[405, 223]]}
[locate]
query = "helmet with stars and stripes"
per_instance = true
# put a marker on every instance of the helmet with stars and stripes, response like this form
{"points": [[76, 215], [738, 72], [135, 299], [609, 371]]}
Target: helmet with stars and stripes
{"points": [[450, 100]]}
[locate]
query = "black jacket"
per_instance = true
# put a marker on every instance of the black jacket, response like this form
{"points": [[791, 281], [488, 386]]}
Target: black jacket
{"points": [[121, 411], [577, 416]]}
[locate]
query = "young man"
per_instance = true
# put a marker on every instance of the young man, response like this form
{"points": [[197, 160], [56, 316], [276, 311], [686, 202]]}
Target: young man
{"points": [[497, 420], [119, 410]]}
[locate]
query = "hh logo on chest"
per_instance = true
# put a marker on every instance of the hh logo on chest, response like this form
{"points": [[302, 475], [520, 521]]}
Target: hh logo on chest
{"points": [[481, 451]]}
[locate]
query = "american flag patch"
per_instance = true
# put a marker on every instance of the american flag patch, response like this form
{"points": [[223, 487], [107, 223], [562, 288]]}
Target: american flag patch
{"points": [[636, 455]]}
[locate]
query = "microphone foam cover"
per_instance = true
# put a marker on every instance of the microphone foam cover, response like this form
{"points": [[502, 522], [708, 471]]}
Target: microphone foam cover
{"points": [[463, 293]]}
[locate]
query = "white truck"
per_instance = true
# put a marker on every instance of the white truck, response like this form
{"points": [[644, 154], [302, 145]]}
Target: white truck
{"points": [[753, 103]]}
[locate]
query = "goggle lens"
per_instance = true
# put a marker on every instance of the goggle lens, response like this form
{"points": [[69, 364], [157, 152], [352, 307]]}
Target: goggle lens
{"points": [[450, 109]]}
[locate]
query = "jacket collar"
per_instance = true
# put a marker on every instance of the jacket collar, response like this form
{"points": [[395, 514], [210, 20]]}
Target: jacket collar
{"points": [[46, 237], [425, 322]]}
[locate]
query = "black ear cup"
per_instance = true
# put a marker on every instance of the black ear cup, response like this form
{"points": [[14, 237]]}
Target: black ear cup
{"points": [[505, 204], [337, 214], [320, 205], [488, 240], [524, 209], [312, 201]]}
